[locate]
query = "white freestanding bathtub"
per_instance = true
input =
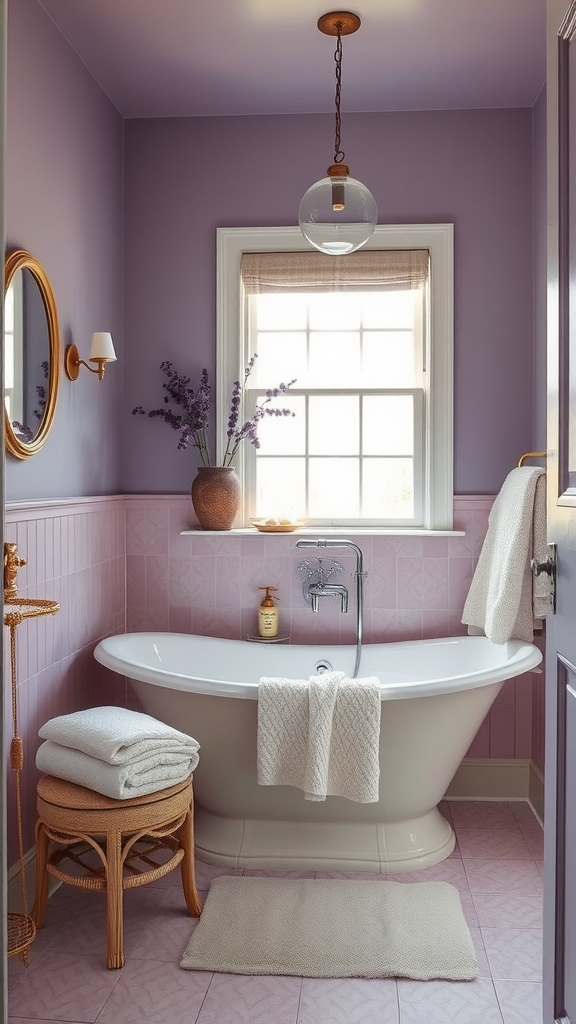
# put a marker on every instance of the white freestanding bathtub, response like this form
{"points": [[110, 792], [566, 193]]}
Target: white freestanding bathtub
{"points": [[435, 695]]}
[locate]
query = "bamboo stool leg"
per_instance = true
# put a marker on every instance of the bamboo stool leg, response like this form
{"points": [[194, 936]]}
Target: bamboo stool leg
{"points": [[186, 837], [114, 900], [41, 895]]}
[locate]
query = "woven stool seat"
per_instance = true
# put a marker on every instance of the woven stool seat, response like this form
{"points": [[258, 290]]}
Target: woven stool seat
{"points": [[110, 845]]}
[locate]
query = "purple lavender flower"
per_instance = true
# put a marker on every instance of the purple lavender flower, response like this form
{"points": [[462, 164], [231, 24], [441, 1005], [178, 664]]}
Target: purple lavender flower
{"points": [[192, 422], [41, 393]]}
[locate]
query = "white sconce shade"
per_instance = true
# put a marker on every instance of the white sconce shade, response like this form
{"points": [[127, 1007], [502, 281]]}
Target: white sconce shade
{"points": [[101, 352], [102, 347]]}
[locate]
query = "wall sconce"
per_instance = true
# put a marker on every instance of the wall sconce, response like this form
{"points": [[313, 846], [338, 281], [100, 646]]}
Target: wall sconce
{"points": [[338, 213], [101, 352]]}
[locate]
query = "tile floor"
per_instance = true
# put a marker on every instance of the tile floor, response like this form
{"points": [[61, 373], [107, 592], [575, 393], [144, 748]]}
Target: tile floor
{"points": [[497, 867]]}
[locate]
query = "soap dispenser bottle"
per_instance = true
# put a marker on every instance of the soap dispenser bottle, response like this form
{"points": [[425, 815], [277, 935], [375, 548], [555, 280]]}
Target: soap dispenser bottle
{"points": [[268, 615]]}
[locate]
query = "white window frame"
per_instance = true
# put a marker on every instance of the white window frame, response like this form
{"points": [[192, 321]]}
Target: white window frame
{"points": [[231, 243]]}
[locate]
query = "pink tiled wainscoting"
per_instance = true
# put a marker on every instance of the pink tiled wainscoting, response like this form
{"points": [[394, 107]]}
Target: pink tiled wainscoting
{"points": [[75, 554]]}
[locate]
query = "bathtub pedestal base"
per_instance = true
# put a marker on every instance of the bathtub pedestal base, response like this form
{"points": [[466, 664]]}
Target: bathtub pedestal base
{"points": [[323, 845]]}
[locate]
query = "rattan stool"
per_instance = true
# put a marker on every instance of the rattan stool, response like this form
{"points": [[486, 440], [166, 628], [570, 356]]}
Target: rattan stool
{"points": [[80, 820]]}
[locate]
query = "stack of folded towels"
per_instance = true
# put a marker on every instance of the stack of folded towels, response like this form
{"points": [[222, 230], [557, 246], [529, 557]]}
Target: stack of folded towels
{"points": [[120, 753]]}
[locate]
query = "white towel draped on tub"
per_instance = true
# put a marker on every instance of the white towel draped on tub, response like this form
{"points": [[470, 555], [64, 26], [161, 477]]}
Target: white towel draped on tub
{"points": [[116, 735], [321, 735], [505, 601], [118, 781]]}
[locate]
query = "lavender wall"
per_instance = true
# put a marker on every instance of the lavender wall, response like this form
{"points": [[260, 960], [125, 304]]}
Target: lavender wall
{"points": [[64, 204], [186, 177]]}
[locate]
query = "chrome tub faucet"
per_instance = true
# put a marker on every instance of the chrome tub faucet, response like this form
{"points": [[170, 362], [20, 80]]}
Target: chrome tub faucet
{"points": [[315, 583]]}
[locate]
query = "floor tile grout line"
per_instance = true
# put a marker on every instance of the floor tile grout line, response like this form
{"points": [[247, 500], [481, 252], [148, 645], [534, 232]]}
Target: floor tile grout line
{"points": [[498, 1004], [208, 987], [299, 1001]]}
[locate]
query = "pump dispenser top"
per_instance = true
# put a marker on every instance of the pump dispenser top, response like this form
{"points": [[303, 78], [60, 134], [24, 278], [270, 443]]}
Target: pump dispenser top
{"points": [[268, 619]]}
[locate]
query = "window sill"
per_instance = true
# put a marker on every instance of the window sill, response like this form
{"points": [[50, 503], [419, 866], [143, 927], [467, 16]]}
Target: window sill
{"points": [[329, 531]]}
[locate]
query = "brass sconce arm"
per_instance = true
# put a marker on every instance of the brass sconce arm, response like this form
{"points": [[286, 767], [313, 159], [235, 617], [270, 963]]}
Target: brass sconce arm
{"points": [[72, 364]]}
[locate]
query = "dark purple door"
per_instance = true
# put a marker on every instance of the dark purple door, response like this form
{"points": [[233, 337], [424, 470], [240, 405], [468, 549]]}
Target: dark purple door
{"points": [[560, 807]]}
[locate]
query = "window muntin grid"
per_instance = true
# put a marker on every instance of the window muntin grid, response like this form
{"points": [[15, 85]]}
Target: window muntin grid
{"points": [[354, 451]]}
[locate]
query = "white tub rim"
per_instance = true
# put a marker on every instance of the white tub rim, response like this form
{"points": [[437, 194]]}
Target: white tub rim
{"points": [[520, 657]]}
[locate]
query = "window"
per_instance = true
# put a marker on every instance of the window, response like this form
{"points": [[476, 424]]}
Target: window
{"points": [[13, 348], [368, 338]]}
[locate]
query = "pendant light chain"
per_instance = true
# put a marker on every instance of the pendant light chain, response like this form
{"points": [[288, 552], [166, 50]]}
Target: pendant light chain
{"points": [[338, 153], [338, 214]]}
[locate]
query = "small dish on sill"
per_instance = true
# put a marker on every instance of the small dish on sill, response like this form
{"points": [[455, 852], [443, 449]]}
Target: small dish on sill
{"points": [[265, 527]]}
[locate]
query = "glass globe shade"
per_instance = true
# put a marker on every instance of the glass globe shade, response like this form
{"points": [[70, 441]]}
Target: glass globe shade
{"points": [[337, 215]]}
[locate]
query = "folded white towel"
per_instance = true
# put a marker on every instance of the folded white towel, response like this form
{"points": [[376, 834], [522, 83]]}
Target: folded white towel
{"points": [[505, 601], [321, 735], [117, 735], [121, 782]]}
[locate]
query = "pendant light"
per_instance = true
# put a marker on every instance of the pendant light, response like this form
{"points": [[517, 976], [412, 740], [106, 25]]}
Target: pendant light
{"points": [[338, 213]]}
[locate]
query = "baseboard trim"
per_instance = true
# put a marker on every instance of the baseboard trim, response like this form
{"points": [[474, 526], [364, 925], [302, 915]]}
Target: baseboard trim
{"points": [[14, 895], [536, 791], [491, 778]]}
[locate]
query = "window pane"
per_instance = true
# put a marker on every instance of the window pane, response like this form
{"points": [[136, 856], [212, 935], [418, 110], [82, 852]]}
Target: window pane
{"points": [[9, 309], [388, 425], [284, 435], [281, 488], [333, 488], [8, 361], [334, 359], [281, 357], [388, 488], [334, 425], [335, 311], [287, 309], [389, 309], [388, 359]]}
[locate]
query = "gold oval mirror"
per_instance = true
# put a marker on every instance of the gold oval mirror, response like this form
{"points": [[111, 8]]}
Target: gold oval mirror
{"points": [[31, 354]]}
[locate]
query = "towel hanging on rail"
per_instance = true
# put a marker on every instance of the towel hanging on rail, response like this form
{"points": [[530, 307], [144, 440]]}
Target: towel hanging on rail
{"points": [[505, 601]]}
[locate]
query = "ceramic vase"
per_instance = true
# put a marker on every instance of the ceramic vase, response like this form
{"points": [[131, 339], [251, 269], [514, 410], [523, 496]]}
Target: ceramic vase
{"points": [[216, 497]]}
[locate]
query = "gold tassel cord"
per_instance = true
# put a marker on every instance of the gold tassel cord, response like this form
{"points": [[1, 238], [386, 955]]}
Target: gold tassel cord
{"points": [[21, 927]]}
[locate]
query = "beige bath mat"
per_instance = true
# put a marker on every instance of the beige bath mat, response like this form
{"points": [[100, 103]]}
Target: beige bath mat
{"points": [[332, 928]]}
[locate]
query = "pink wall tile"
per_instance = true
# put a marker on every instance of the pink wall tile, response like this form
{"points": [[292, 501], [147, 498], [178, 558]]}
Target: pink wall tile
{"points": [[156, 582], [502, 722], [147, 528], [523, 715], [507, 694], [538, 720], [460, 573], [480, 747], [180, 620]]}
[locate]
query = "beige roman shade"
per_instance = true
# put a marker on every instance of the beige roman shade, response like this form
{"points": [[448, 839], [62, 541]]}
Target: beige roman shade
{"points": [[366, 270]]}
